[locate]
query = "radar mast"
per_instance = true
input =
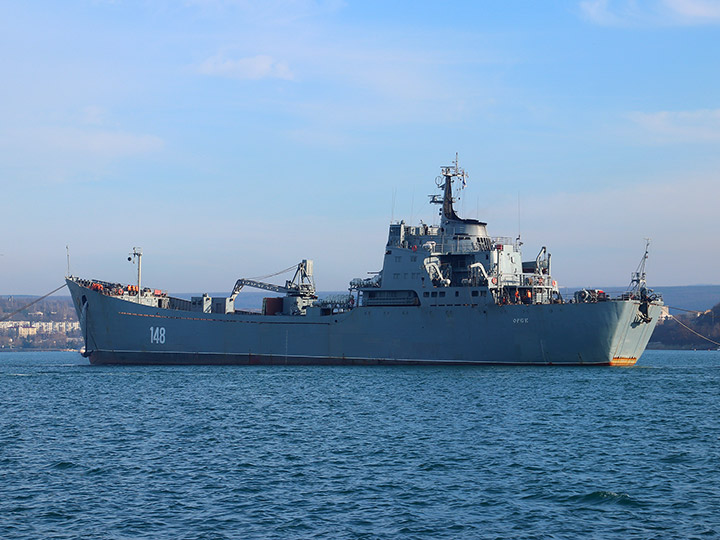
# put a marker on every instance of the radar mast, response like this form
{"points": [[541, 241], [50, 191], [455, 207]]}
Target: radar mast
{"points": [[445, 182]]}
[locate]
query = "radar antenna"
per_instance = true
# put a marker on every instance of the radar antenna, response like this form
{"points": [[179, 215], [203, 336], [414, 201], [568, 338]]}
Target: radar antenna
{"points": [[444, 182]]}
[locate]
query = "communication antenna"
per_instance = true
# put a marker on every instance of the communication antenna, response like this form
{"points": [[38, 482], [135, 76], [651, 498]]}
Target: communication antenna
{"points": [[67, 249], [137, 252], [518, 216], [461, 174], [637, 282]]}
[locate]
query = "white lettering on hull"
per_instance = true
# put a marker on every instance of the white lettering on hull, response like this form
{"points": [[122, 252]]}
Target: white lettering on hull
{"points": [[157, 334]]}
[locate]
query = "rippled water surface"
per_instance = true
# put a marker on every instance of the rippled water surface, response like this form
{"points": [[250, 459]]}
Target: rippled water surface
{"points": [[359, 452]]}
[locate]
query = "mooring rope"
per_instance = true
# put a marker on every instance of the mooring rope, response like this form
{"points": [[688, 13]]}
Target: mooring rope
{"points": [[6, 317], [687, 310], [693, 331]]}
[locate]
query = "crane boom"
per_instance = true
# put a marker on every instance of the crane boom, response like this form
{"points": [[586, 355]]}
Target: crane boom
{"points": [[302, 283], [240, 283]]}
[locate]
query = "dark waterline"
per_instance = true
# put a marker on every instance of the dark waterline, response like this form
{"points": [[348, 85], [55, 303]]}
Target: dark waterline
{"points": [[359, 452]]}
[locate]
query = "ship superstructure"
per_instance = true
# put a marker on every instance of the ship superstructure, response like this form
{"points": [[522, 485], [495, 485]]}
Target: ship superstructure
{"points": [[447, 293], [456, 262]]}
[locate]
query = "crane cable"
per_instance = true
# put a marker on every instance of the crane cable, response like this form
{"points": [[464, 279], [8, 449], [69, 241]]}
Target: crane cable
{"points": [[276, 273], [6, 317]]}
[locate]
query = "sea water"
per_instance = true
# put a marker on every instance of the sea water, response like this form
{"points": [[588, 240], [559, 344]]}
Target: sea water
{"points": [[359, 452]]}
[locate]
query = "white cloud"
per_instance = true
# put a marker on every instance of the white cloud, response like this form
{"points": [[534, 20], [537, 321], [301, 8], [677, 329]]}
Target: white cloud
{"points": [[250, 68], [349, 75], [651, 12], [697, 10], [679, 126], [599, 12], [345, 79]]}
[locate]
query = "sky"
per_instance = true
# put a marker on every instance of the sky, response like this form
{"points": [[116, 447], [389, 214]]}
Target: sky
{"points": [[233, 138]]}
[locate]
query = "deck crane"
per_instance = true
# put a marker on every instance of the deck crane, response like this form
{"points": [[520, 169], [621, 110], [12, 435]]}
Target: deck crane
{"points": [[301, 285]]}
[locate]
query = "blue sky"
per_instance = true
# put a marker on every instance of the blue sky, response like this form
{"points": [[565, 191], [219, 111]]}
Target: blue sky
{"points": [[234, 138]]}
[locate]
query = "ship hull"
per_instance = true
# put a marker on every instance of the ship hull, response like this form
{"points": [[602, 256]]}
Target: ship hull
{"points": [[119, 331]]}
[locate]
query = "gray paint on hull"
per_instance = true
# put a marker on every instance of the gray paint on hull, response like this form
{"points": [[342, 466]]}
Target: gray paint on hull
{"points": [[118, 331]]}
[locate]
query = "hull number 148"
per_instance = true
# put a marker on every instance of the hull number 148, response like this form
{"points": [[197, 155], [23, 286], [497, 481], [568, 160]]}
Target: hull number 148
{"points": [[157, 334]]}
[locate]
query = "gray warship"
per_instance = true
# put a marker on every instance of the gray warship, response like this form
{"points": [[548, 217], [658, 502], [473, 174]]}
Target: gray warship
{"points": [[446, 294]]}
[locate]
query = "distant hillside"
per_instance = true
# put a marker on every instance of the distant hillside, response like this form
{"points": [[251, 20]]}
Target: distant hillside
{"points": [[672, 334], [54, 308], [695, 297], [49, 324]]}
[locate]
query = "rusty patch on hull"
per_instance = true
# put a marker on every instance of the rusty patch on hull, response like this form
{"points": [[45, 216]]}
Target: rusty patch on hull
{"points": [[623, 361]]}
